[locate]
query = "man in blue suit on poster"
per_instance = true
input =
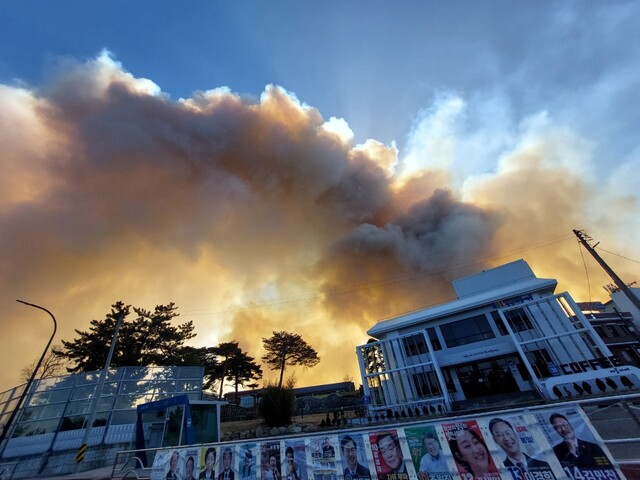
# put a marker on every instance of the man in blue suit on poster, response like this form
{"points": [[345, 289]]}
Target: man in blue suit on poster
{"points": [[517, 462], [354, 470]]}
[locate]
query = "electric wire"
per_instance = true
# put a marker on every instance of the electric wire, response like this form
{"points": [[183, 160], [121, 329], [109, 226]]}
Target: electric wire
{"points": [[617, 255], [586, 270], [378, 283]]}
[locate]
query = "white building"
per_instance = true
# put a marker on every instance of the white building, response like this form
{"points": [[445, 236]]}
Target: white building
{"points": [[507, 337]]}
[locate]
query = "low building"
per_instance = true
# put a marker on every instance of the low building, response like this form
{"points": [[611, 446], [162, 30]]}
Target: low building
{"points": [[506, 338], [616, 328], [48, 430]]}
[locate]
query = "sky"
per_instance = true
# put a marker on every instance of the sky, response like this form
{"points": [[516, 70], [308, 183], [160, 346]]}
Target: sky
{"points": [[313, 167]]}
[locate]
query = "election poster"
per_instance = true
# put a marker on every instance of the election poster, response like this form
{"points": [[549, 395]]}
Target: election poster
{"points": [[322, 457], [247, 461], [469, 451], [270, 461], [294, 462], [430, 459], [581, 453], [518, 448], [168, 465], [226, 470], [208, 462], [354, 463], [388, 458], [191, 462]]}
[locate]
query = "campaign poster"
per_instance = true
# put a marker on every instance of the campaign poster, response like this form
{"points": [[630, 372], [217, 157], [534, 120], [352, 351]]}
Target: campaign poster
{"points": [[294, 460], [388, 458], [226, 464], [322, 457], [430, 458], [208, 462], [518, 449], [191, 462], [168, 465], [576, 445], [354, 464], [470, 451], [248, 461], [270, 461]]}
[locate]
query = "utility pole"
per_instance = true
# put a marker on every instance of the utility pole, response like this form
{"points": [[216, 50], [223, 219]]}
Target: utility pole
{"points": [[98, 392], [583, 238]]}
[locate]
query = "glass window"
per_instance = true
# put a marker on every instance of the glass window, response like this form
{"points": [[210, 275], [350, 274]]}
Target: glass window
{"points": [[122, 417], [433, 337], [135, 387], [82, 393], [59, 395], [205, 423], [499, 323], [414, 345], [125, 401], [518, 320], [110, 388], [73, 422], [469, 330], [162, 386], [53, 411], [612, 330], [190, 372], [626, 329], [79, 407], [189, 385]]}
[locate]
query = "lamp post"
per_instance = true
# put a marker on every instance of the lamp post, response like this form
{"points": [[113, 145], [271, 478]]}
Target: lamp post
{"points": [[27, 387]]}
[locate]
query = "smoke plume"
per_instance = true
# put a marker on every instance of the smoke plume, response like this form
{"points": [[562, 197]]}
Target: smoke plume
{"points": [[255, 215]]}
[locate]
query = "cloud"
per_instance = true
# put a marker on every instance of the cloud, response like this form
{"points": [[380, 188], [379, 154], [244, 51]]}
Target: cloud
{"points": [[256, 215]]}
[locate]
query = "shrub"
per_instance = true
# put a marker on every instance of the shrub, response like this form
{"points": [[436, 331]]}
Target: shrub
{"points": [[276, 406]]}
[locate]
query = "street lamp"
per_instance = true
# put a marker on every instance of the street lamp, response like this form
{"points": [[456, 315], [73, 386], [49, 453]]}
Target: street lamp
{"points": [[27, 387]]}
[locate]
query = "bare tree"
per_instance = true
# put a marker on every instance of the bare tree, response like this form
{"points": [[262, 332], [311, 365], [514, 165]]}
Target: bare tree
{"points": [[52, 366]]}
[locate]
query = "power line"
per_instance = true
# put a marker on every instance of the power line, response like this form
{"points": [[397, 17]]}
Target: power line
{"points": [[617, 255], [379, 283]]}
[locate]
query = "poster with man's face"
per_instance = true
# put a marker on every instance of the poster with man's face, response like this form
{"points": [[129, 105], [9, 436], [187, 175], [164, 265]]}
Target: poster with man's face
{"points": [[575, 444], [430, 456], [388, 457], [294, 460], [226, 464], [322, 457], [354, 462], [191, 462], [518, 449]]}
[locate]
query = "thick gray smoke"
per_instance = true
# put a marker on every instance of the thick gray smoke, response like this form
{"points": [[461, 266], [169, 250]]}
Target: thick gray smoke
{"points": [[251, 215]]}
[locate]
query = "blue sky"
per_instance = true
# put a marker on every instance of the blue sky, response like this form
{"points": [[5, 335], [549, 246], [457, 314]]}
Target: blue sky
{"points": [[376, 64], [403, 138]]}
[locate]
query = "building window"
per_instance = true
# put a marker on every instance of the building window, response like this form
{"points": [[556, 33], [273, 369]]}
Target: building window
{"points": [[613, 332], [499, 323], [414, 345], [518, 320], [426, 384], [599, 330], [433, 337], [626, 329], [469, 330], [540, 361]]}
